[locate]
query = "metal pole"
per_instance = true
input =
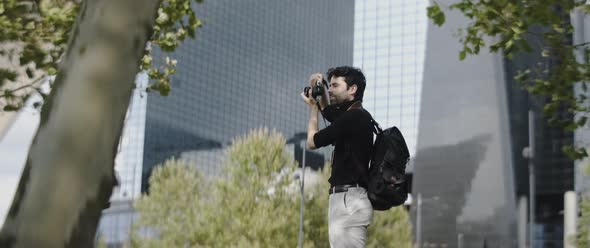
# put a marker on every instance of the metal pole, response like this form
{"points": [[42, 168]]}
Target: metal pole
{"points": [[569, 218], [419, 221], [522, 222], [300, 241], [532, 197]]}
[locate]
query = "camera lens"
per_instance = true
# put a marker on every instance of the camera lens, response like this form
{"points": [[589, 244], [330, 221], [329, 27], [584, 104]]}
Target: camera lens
{"points": [[306, 91], [317, 91]]}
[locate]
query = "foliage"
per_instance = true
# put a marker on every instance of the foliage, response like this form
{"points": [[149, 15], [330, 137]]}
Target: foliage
{"points": [[254, 204], [174, 194], [34, 36], [583, 233], [100, 243], [582, 238], [517, 26], [390, 229]]}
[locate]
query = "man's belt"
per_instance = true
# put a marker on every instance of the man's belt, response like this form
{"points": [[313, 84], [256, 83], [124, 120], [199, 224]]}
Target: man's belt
{"points": [[343, 188]]}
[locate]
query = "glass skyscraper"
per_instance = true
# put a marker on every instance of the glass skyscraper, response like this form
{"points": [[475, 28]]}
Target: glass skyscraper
{"points": [[469, 168], [129, 159], [116, 221], [389, 43], [245, 70]]}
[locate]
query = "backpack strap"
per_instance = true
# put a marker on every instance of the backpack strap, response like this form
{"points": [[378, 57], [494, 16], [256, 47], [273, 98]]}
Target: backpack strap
{"points": [[376, 127]]}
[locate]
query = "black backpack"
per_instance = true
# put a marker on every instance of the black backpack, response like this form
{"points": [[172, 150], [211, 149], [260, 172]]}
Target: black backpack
{"points": [[387, 183]]}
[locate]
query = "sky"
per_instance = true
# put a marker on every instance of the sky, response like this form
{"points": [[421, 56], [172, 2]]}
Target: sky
{"points": [[14, 147]]}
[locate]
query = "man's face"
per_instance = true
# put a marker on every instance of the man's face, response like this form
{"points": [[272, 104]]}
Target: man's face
{"points": [[339, 91]]}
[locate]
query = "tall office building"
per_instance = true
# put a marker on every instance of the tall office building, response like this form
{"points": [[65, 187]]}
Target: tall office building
{"points": [[469, 168], [245, 70], [129, 159], [463, 185], [553, 169], [581, 23], [389, 38], [117, 219]]}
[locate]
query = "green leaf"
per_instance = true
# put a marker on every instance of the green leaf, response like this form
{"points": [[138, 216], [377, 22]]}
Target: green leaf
{"points": [[462, 55], [558, 28], [436, 15], [509, 44], [574, 153], [30, 25], [7, 75], [582, 121], [10, 108], [29, 72], [522, 76], [51, 71]]}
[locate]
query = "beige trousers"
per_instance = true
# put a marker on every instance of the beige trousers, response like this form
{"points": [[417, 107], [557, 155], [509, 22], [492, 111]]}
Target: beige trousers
{"points": [[350, 213]]}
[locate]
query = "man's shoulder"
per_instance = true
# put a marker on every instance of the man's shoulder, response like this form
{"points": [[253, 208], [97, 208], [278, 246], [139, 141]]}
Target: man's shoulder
{"points": [[357, 115]]}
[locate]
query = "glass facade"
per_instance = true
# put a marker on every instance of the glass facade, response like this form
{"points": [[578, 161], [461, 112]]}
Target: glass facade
{"points": [[129, 159], [581, 23], [115, 223], [554, 171], [463, 181], [245, 70], [469, 168], [389, 43]]}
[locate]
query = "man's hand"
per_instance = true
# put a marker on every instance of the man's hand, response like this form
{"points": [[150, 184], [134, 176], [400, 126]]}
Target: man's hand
{"points": [[309, 100], [314, 78]]}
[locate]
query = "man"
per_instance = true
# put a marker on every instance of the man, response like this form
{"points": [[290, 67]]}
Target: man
{"points": [[350, 131]]}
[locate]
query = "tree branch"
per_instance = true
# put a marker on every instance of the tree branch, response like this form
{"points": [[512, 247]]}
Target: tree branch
{"points": [[582, 44], [32, 84]]}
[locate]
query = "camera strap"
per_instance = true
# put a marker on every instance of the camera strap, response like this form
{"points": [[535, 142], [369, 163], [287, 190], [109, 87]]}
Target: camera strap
{"points": [[322, 112]]}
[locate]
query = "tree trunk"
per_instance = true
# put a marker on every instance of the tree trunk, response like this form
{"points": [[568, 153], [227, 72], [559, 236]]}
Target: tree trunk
{"points": [[68, 177]]}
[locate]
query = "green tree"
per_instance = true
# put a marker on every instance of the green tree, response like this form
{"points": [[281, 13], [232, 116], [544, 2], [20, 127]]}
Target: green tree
{"points": [[517, 26], [34, 36], [68, 176], [390, 228], [173, 207], [255, 203], [248, 206], [582, 238]]}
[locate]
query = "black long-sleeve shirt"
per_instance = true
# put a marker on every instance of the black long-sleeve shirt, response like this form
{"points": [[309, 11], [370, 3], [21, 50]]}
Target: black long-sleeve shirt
{"points": [[352, 136]]}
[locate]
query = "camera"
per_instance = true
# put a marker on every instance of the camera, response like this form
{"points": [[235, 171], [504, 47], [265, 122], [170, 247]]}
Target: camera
{"points": [[319, 89]]}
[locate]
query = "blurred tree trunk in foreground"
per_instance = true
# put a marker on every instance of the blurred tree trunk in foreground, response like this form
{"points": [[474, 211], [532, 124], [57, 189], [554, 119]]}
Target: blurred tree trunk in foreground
{"points": [[68, 177]]}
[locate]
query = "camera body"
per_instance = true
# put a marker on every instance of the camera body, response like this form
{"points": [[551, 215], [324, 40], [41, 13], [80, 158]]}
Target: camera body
{"points": [[319, 89]]}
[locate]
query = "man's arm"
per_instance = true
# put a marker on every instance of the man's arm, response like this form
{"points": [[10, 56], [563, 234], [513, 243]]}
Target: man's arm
{"points": [[312, 127]]}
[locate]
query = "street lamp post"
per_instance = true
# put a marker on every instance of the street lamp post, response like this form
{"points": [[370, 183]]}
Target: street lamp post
{"points": [[300, 240], [419, 220], [529, 153], [419, 202]]}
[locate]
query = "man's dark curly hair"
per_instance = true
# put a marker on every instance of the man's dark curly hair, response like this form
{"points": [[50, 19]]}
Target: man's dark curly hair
{"points": [[352, 75]]}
